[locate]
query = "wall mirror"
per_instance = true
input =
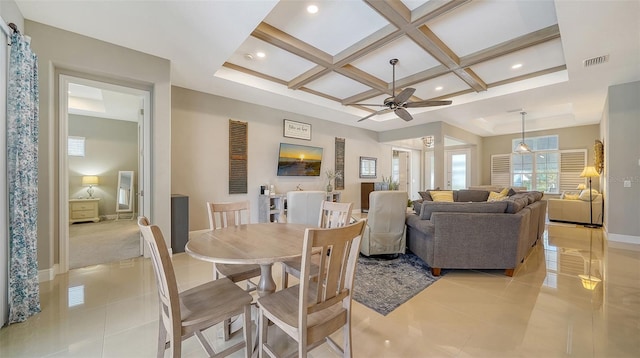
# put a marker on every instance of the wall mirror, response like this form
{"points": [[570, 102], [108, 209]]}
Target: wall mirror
{"points": [[124, 195], [368, 167]]}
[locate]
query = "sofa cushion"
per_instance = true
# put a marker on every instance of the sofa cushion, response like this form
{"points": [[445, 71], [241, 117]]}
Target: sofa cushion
{"points": [[429, 207], [466, 195], [515, 204], [417, 205], [442, 196]]}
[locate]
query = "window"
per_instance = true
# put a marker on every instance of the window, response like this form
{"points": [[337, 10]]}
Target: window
{"points": [[75, 146], [538, 170]]}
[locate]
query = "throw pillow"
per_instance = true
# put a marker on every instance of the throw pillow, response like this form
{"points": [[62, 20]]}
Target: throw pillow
{"points": [[568, 196], [511, 192], [425, 195], [504, 192], [584, 195], [493, 196], [442, 196]]}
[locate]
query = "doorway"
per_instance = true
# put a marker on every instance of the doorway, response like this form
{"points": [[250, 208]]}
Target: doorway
{"points": [[104, 129], [401, 169], [457, 169]]}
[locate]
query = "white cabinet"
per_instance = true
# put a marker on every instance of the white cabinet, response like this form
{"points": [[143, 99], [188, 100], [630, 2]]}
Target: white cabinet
{"points": [[83, 210], [271, 208]]}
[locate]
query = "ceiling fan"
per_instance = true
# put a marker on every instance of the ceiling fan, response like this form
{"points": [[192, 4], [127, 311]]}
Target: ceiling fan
{"points": [[399, 103]]}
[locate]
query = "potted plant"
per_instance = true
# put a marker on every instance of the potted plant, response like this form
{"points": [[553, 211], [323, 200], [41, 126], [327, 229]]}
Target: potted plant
{"points": [[331, 175]]}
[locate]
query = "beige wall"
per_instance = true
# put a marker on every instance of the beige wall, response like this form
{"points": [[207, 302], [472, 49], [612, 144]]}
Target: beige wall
{"points": [[63, 52], [110, 146], [199, 149], [582, 137]]}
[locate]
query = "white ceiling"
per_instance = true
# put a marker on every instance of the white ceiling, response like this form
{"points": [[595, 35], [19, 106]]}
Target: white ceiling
{"points": [[471, 46]]}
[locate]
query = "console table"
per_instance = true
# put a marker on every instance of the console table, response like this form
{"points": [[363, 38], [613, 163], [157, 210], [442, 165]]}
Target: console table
{"points": [[84, 210]]}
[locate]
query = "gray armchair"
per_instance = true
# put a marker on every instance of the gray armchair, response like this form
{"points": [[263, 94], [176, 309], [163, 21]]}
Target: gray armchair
{"points": [[385, 230]]}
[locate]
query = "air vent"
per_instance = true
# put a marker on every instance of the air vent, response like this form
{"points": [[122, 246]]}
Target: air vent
{"points": [[595, 60]]}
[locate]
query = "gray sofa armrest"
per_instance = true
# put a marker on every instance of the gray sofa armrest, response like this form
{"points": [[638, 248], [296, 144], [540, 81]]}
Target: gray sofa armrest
{"points": [[478, 240]]}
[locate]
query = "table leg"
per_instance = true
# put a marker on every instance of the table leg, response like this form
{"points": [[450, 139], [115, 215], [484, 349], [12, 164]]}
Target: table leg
{"points": [[266, 285]]}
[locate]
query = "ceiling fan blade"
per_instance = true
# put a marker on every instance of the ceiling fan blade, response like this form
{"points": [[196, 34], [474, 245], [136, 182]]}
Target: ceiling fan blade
{"points": [[402, 113], [404, 95], [426, 103], [367, 104], [382, 111]]}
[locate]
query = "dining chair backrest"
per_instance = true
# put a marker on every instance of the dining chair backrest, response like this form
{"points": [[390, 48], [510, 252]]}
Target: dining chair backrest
{"points": [[333, 214], [228, 214], [339, 248], [165, 276]]}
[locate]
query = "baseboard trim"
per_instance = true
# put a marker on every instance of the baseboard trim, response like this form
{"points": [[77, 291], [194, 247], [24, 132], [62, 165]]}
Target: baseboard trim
{"points": [[627, 239], [48, 274]]}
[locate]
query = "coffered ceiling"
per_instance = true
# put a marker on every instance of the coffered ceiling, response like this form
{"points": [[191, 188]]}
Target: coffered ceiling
{"points": [[492, 59]]}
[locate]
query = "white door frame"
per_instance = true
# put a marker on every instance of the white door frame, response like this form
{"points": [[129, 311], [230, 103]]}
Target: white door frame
{"points": [[144, 164], [447, 166]]}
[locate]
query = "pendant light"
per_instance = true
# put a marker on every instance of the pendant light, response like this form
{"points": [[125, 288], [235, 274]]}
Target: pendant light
{"points": [[522, 147]]}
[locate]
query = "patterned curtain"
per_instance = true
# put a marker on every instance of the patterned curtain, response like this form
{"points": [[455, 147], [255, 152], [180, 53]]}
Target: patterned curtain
{"points": [[22, 167]]}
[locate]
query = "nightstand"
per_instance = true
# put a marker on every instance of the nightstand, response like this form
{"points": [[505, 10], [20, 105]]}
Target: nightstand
{"points": [[83, 210]]}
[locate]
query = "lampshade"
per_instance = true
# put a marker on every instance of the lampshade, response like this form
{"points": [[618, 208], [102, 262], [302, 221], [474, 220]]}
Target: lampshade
{"points": [[89, 180], [581, 187], [522, 148], [589, 172]]}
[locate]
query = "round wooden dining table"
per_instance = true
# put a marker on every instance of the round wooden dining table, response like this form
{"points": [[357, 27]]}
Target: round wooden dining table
{"points": [[261, 244]]}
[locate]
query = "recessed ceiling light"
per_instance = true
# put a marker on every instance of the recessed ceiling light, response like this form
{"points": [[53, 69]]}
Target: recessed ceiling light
{"points": [[516, 66], [260, 54], [312, 9], [439, 88], [248, 57]]}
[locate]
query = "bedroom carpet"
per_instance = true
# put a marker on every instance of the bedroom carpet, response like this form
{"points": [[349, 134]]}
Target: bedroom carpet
{"points": [[103, 242]]}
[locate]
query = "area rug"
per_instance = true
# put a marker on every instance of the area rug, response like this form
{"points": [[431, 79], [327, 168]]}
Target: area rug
{"points": [[384, 285]]}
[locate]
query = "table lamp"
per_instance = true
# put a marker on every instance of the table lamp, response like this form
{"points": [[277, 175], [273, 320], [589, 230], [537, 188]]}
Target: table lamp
{"points": [[90, 180], [590, 172]]}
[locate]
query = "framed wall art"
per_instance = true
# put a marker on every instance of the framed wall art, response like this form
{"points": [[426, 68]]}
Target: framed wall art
{"points": [[298, 130]]}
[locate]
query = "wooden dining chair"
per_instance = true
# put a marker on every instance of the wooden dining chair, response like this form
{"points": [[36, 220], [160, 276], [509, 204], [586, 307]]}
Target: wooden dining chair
{"points": [[332, 215], [223, 215], [188, 313], [311, 311]]}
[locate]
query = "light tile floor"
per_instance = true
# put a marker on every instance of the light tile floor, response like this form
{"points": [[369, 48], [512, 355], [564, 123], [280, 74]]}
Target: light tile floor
{"points": [[543, 311]]}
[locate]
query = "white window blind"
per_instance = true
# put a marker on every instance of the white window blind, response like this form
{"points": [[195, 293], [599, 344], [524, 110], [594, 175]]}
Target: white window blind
{"points": [[540, 172]]}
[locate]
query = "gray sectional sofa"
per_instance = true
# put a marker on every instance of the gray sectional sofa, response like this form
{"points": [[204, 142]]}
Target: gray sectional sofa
{"points": [[472, 233]]}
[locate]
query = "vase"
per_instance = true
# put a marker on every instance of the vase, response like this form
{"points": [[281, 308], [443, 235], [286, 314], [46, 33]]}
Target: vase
{"points": [[329, 188]]}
